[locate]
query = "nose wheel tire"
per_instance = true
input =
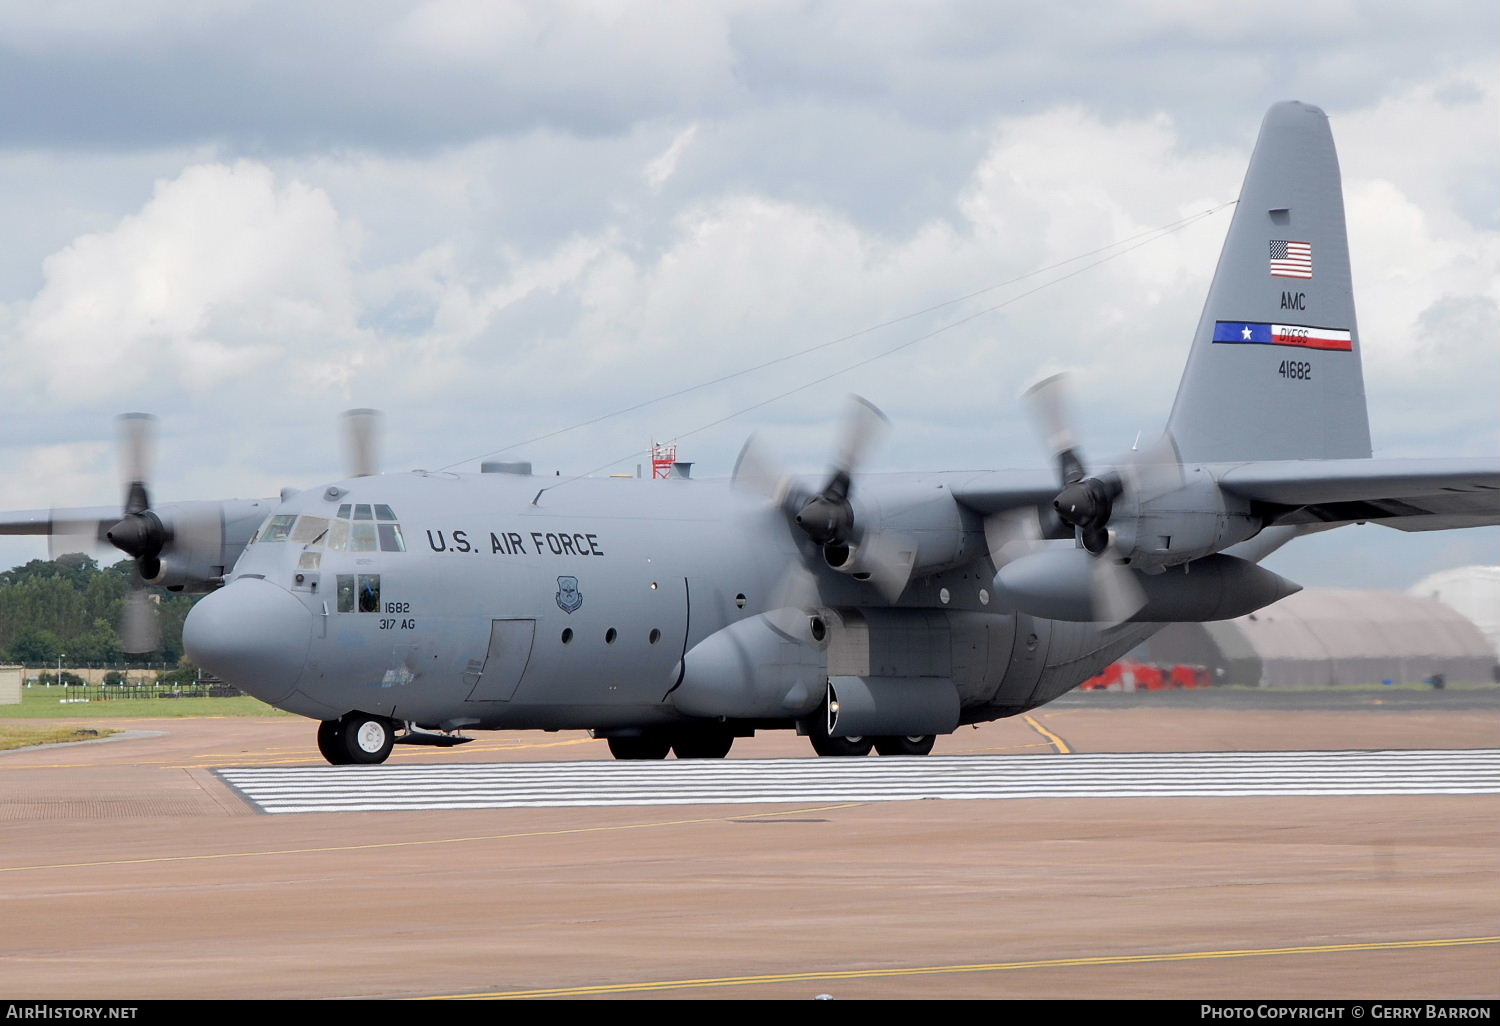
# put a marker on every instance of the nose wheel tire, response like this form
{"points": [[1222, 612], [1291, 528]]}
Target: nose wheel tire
{"points": [[331, 742], [917, 745], [356, 739]]}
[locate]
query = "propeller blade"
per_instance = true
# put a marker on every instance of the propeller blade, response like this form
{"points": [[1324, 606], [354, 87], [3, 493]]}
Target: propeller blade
{"points": [[361, 441], [140, 621], [863, 426], [1048, 402], [137, 433], [1154, 471], [888, 559], [1116, 594], [1013, 534], [792, 597], [756, 472], [65, 536]]}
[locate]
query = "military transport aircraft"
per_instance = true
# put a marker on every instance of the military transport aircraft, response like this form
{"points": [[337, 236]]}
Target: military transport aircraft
{"points": [[860, 610]]}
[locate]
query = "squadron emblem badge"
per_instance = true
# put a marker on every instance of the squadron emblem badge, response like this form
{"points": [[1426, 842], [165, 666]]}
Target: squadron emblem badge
{"points": [[569, 598]]}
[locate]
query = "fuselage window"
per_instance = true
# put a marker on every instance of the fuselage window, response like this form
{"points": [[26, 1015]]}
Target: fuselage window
{"points": [[390, 538], [279, 527]]}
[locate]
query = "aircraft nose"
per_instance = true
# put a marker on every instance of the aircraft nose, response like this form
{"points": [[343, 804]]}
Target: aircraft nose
{"points": [[253, 634]]}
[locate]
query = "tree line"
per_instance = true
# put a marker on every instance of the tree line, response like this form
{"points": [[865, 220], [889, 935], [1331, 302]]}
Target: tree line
{"points": [[72, 607]]}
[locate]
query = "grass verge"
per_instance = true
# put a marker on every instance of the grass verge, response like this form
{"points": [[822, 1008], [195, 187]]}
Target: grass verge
{"points": [[17, 735], [44, 704]]}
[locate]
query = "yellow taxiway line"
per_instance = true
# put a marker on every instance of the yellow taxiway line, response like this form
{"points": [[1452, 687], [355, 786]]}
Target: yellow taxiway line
{"points": [[1052, 739], [379, 845], [938, 970]]}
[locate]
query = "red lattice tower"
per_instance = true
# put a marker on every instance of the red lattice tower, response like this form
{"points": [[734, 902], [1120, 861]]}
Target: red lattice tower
{"points": [[662, 458]]}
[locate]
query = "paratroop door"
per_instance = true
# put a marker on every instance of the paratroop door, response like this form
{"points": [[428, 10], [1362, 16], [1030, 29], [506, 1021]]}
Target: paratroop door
{"points": [[505, 662]]}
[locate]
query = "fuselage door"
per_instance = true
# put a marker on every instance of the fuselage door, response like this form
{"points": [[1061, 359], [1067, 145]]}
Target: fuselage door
{"points": [[506, 660]]}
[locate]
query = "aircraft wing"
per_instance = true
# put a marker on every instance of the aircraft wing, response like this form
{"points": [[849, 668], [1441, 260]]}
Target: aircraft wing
{"points": [[1409, 495], [75, 521], [995, 491]]}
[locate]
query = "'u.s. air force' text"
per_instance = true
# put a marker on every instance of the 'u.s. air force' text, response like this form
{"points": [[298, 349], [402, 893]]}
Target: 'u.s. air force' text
{"points": [[513, 543]]}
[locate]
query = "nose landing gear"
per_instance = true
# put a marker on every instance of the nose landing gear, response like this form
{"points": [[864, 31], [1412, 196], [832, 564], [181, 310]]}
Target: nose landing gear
{"points": [[356, 738]]}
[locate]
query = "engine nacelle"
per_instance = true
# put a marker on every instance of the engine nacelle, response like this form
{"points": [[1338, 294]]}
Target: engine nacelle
{"points": [[1181, 525], [920, 520], [202, 541]]}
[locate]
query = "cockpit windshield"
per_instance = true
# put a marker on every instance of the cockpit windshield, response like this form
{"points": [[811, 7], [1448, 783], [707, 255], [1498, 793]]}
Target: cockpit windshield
{"points": [[358, 527]]}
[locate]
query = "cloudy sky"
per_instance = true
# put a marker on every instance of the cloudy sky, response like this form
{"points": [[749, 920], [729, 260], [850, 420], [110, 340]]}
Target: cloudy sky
{"points": [[494, 220]]}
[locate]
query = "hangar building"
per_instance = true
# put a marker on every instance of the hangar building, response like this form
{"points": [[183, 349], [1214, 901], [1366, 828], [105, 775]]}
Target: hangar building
{"points": [[1472, 590], [1321, 637]]}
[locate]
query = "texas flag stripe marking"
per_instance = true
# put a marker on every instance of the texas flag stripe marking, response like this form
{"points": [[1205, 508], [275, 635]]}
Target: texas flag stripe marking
{"points": [[1300, 335]]}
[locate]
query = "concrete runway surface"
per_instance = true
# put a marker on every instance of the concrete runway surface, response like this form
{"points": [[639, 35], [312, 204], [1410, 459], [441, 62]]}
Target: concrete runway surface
{"points": [[129, 869]]}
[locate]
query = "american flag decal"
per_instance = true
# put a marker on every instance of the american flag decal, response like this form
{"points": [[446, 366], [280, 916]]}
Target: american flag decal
{"points": [[1291, 259]]}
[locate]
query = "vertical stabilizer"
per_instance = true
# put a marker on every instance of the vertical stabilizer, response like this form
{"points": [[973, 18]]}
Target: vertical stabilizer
{"points": [[1274, 371]]}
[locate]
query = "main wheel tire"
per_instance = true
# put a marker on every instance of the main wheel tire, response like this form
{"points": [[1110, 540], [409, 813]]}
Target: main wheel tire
{"points": [[918, 745], [702, 744], [367, 739], [644, 746], [823, 744], [331, 742]]}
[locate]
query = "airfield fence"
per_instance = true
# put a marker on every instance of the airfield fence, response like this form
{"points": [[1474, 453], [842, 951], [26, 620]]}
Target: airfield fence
{"points": [[120, 692]]}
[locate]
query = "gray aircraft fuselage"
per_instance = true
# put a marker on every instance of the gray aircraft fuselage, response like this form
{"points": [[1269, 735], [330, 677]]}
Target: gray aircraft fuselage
{"points": [[590, 609]]}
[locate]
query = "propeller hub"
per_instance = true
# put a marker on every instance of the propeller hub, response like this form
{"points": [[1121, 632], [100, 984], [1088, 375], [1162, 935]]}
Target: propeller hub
{"points": [[826, 521], [1087, 503], [139, 535]]}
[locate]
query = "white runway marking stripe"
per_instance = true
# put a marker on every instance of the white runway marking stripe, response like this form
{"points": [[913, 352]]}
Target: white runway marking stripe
{"points": [[869, 779]]}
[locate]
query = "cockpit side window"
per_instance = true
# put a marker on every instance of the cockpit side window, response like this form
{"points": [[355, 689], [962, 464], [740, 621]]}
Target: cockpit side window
{"points": [[279, 527], [369, 593], [391, 539], [362, 512]]}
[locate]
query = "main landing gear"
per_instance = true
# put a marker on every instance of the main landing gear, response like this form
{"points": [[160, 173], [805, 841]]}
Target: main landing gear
{"points": [[825, 744], [920, 744], [685, 743]]}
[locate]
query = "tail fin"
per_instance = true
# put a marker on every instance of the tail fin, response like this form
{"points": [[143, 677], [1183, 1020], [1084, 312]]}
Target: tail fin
{"points": [[1274, 372]]}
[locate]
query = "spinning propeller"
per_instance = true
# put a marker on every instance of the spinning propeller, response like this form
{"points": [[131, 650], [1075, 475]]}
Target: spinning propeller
{"points": [[180, 544], [1087, 507], [828, 516]]}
